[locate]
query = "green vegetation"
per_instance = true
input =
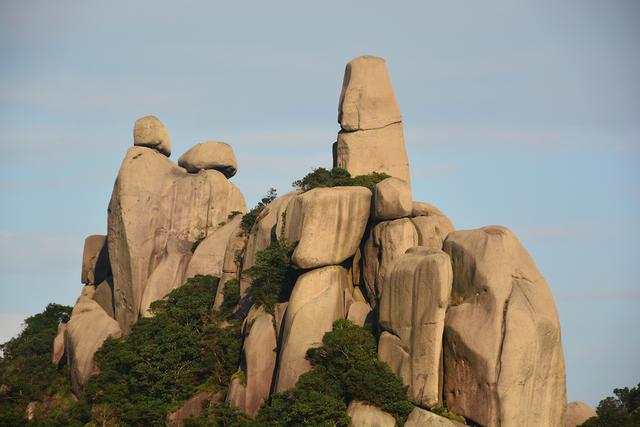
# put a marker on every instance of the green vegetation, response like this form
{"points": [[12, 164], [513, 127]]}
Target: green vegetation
{"points": [[166, 358], [272, 277], [27, 374], [337, 177], [220, 415], [251, 217], [623, 410], [231, 294], [197, 243], [444, 412], [345, 368]]}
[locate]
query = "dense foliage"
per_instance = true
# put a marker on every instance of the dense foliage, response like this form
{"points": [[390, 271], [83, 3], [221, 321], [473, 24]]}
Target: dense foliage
{"points": [[337, 177], [166, 358], [251, 217], [623, 410], [272, 277], [26, 371], [231, 294], [345, 368]]}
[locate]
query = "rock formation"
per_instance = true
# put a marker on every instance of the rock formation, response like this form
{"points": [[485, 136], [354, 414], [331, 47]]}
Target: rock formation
{"points": [[577, 413], [464, 318], [371, 139]]}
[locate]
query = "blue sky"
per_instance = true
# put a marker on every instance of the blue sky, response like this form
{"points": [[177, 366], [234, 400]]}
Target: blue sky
{"points": [[525, 114]]}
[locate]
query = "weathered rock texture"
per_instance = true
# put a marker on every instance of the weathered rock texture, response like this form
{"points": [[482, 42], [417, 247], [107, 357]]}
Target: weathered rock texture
{"points": [[264, 231], [577, 413], [95, 260], [503, 357], [87, 329], [150, 132], [388, 240], [103, 295], [371, 139], [365, 415], [327, 224], [210, 155], [421, 418], [392, 199], [415, 295], [316, 302], [58, 344], [154, 200], [249, 390], [208, 258]]}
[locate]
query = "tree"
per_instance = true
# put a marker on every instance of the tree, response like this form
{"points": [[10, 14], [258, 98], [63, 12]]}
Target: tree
{"points": [[623, 410]]}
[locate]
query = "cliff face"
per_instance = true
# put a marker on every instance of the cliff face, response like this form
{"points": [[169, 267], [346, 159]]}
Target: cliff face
{"points": [[464, 318]]}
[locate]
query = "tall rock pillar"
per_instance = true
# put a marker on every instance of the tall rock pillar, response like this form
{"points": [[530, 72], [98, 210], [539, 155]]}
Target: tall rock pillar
{"points": [[371, 138]]}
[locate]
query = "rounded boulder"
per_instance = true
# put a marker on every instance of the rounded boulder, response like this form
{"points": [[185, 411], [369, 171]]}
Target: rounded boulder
{"points": [[210, 155], [150, 132]]}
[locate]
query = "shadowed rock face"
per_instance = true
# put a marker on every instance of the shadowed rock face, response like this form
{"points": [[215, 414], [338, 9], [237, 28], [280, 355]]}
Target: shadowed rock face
{"points": [[371, 139], [415, 295], [503, 357], [95, 260], [153, 200]]}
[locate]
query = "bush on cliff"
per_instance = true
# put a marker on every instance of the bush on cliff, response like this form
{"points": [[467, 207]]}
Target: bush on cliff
{"points": [[345, 368], [26, 371], [166, 358], [337, 177], [251, 217], [623, 410]]}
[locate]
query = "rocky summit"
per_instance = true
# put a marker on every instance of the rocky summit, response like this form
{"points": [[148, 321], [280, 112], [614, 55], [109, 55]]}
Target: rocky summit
{"points": [[462, 320]]}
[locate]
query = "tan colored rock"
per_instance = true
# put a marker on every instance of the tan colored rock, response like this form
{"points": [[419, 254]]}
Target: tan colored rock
{"points": [[327, 224], [358, 312], [432, 230], [365, 415], [264, 232], [235, 249], [30, 410], [316, 302], [154, 200], [425, 209], [414, 299], [168, 275], [95, 260], [577, 413], [392, 199], [367, 100], [357, 295], [280, 310], [191, 408], [58, 344], [103, 295], [149, 132], [86, 330], [208, 258], [257, 364], [423, 418], [503, 358], [210, 155], [378, 150], [217, 303]]}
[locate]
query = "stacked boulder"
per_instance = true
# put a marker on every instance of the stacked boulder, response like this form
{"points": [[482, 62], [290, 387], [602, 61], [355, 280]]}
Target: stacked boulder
{"points": [[464, 318]]}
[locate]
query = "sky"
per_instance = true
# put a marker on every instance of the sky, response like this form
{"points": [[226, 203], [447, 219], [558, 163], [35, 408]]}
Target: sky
{"points": [[519, 113]]}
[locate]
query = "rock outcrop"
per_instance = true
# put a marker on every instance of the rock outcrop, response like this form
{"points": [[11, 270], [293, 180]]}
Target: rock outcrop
{"points": [[87, 329], [327, 225], [415, 295], [365, 415], [392, 199], [503, 357], [421, 418], [57, 352], [577, 413], [250, 388], [210, 155], [208, 258], [95, 260], [371, 139], [150, 132], [154, 200], [191, 408], [316, 302]]}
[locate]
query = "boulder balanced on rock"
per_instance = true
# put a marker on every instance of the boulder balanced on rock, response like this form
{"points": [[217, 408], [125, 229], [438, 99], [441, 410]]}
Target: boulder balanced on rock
{"points": [[150, 132], [210, 155]]}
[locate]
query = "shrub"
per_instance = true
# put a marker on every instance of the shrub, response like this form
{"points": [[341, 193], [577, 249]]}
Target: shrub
{"points": [[272, 277], [623, 410], [26, 370], [298, 407], [251, 217], [345, 368], [337, 177], [231, 294], [166, 358], [220, 415]]}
